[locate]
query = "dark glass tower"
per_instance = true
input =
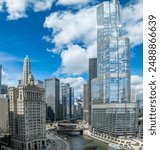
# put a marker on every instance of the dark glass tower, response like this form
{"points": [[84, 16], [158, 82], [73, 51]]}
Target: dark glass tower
{"points": [[92, 75], [52, 86]]}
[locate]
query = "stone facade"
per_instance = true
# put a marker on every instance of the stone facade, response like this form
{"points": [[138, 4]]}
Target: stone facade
{"points": [[27, 113]]}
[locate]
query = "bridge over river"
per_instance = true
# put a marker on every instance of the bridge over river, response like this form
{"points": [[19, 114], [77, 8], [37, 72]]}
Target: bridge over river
{"points": [[68, 127]]}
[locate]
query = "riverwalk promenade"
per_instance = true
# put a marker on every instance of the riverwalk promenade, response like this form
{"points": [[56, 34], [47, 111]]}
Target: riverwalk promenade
{"points": [[123, 143]]}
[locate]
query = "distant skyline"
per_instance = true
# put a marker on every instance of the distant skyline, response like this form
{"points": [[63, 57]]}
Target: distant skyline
{"points": [[59, 36]]}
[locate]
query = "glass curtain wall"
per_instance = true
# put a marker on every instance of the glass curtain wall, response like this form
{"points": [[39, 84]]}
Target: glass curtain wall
{"points": [[112, 112], [113, 57]]}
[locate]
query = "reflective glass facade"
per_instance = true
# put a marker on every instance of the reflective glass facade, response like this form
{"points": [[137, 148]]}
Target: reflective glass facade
{"points": [[116, 119], [67, 100], [3, 88], [52, 98], [86, 102], [112, 112], [113, 57], [92, 75]]}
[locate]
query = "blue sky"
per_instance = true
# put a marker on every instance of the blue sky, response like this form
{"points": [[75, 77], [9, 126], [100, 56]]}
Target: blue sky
{"points": [[59, 36]]}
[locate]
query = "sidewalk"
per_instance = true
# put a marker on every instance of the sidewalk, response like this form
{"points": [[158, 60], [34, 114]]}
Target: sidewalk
{"points": [[125, 144]]}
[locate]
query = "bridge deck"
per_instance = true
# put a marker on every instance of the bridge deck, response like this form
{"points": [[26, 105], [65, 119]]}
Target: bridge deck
{"points": [[71, 129]]}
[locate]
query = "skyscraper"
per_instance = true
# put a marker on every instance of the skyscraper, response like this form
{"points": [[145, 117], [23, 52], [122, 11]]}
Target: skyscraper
{"points": [[27, 113], [92, 75], [112, 111], [71, 103], [3, 88], [52, 87], [133, 94], [4, 116], [66, 99], [87, 90], [86, 103], [0, 74], [63, 101], [92, 68]]}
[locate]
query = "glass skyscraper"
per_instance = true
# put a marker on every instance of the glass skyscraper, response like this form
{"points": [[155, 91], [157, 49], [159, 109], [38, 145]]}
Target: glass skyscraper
{"points": [[52, 86], [113, 56], [111, 107], [0, 74], [66, 100], [3, 88]]}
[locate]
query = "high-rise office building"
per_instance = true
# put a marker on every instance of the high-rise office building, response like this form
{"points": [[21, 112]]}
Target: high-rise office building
{"points": [[112, 112], [87, 90], [71, 102], [92, 75], [75, 109], [0, 74], [3, 88], [63, 101], [78, 109], [52, 87], [4, 116], [133, 94], [66, 100], [92, 68], [85, 101], [27, 113]]}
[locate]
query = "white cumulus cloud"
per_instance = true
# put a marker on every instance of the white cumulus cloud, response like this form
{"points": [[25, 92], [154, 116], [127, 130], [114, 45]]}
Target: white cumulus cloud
{"points": [[74, 60], [132, 22], [70, 28], [17, 8], [72, 2], [41, 5]]}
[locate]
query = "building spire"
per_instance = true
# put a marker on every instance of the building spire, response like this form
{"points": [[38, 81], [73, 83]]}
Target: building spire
{"points": [[26, 70]]}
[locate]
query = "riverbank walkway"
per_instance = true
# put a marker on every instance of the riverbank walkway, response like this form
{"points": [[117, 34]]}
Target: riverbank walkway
{"points": [[125, 144]]}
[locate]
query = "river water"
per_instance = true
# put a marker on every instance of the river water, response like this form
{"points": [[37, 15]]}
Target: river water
{"points": [[81, 142]]}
